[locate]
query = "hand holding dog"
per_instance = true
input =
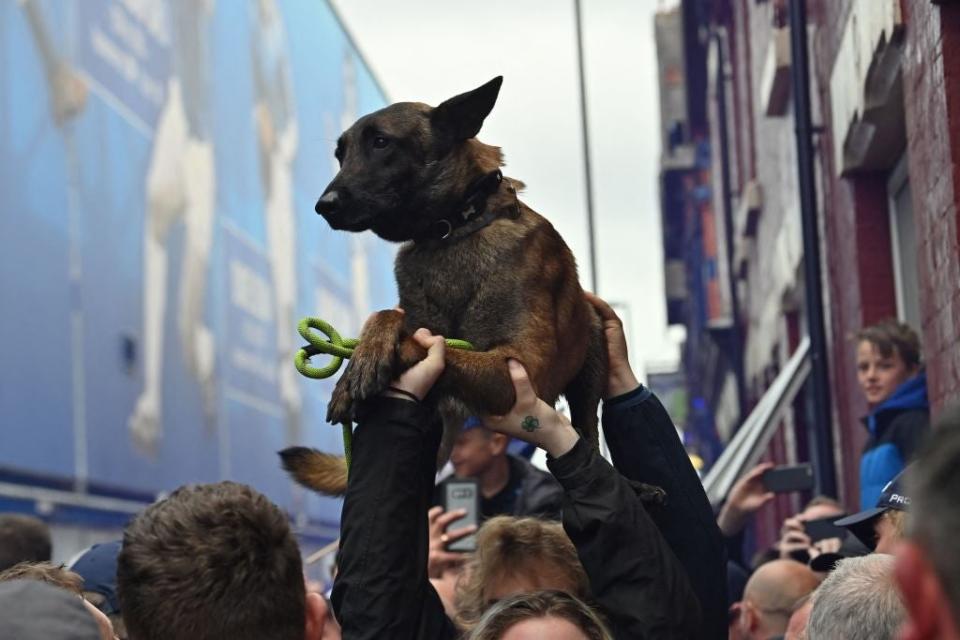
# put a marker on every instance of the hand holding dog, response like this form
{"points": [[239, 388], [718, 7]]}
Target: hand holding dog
{"points": [[419, 379], [533, 420], [621, 378]]}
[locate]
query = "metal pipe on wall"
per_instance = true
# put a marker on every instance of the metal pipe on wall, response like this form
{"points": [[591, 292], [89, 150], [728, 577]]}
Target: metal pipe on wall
{"points": [[821, 427], [585, 128]]}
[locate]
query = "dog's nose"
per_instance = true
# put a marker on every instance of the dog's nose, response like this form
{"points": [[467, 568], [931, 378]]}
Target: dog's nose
{"points": [[328, 203]]}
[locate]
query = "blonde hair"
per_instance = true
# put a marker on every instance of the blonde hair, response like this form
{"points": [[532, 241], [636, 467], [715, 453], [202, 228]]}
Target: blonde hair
{"points": [[899, 521], [542, 604], [509, 546], [56, 575]]}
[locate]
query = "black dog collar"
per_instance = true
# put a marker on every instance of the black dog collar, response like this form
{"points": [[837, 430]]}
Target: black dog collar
{"points": [[474, 215]]}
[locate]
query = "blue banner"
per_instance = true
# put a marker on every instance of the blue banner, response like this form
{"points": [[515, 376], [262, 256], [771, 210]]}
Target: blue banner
{"points": [[158, 169]]}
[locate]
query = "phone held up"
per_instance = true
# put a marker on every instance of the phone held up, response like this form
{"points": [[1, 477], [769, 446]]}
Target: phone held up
{"points": [[462, 493], [789, 478]]}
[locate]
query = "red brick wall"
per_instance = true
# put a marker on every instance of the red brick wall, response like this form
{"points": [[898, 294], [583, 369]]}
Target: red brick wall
{"points": [[932, 95]]}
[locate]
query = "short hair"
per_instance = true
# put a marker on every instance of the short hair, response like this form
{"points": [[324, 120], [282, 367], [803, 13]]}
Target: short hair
{"points": [[890, 336], [542, 604], [857, 601], [23, 538], [823, 501], [57, 575], [506, 546], [934, 484], [211, 561]]}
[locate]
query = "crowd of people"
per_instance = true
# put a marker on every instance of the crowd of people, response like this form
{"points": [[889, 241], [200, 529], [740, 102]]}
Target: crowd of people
{"points": [[592, 550]]}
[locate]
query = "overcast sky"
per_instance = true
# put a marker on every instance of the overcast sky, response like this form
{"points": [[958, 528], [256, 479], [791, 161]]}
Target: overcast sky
{"points": [[429, 50]]}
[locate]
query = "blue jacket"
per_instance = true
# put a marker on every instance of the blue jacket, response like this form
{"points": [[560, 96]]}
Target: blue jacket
{"points": [[897, 425]]}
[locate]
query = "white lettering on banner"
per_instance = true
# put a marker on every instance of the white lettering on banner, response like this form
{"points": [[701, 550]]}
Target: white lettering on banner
{"points": [[253, 364], [127, 32], [338, 312], [249, 291], [152, 16], [122, 62]]}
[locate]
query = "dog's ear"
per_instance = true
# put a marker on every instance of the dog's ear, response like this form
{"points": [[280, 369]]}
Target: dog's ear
{"points": [[461, 117]]}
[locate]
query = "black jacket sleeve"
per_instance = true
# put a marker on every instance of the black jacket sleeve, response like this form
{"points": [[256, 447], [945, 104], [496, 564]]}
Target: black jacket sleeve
{"points": [[645, 448], [634, 576], [382, 590]]}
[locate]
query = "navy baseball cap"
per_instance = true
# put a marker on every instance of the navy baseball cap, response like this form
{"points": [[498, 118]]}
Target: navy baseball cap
{"points": [[98, 568], [862, 524]]}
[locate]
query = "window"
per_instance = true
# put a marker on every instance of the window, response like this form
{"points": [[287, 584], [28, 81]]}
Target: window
{"points": [[904, 239]]}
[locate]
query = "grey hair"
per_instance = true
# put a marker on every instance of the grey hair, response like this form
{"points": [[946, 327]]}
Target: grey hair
{"points": [[934, 484], [857, 601]]}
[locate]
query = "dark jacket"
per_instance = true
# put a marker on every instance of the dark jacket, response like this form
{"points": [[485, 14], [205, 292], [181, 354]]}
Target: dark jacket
{"points": [[539, 493], [896, 427], [382, 589], [635, 578], [645, 448]]}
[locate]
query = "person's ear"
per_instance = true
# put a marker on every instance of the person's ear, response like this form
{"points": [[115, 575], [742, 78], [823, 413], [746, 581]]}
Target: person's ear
{"points": [[922, 594], [319, 623], [749, 620], [499, 443]]}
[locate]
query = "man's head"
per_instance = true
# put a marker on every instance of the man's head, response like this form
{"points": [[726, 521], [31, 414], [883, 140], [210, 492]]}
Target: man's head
{"points": [[61, 578], [888, 354], [36, 610], [476, 450], [928, 565], [518, 555], [882, 527], [23, 539], [857, 601], [771, 595], [215, 561]]}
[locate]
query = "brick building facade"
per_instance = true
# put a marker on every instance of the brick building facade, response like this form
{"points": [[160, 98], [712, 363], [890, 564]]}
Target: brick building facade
{"points": [[885, 87]]}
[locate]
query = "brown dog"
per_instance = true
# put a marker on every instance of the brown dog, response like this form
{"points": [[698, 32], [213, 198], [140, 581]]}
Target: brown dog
{"points": [[476, 264]]}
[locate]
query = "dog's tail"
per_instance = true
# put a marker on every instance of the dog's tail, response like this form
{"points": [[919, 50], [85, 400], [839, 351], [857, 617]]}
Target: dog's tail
{"points": [[323, 472]]}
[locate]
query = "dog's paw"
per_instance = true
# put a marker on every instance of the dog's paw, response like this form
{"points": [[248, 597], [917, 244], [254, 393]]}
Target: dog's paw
{"points": [[370, 373], [340, 407]]}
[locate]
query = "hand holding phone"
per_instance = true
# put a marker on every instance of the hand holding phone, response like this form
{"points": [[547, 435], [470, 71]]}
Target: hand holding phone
{"points": [[462, 495]]}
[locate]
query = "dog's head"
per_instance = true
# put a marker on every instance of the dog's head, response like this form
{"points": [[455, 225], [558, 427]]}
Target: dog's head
{"points": [[404, 167]]}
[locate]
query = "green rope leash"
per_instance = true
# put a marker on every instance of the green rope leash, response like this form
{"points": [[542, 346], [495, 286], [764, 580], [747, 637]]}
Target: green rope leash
{"points": [[338, 349]]}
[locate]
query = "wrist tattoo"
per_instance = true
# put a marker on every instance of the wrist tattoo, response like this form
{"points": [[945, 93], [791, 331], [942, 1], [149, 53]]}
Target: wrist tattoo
{"points": [[530, 424]]}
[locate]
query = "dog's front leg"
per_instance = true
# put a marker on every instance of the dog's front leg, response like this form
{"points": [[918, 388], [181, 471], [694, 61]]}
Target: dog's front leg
{"points": [[372, 366]]}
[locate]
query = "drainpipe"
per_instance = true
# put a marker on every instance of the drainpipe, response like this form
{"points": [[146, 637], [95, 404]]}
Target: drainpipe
{"points": [[735, 352], [821, 427]]}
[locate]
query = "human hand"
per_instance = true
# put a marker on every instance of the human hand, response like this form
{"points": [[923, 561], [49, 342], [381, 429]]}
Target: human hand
{"points": [[829, 545], [746, 497], [419, 379], [531, 419], [440, 560], [794, 541], [621, 378]]}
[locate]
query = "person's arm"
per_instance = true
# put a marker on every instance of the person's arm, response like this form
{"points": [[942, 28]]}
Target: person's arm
{"points": [[634, 577], [382, 590], [645, 448]]}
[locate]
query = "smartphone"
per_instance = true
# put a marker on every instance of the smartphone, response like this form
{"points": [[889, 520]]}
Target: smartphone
{"points": [[462, 494], [824, 528], [789, 478]]}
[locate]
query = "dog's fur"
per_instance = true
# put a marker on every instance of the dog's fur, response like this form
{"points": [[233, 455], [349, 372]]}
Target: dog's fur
{"points": [[510, 288]]}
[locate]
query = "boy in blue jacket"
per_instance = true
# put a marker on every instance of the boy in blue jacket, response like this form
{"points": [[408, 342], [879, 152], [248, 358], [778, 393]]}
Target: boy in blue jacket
{"points": [[895, 386]]}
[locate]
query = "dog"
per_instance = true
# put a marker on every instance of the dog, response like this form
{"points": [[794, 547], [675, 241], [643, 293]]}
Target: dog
{"points": [[476, 263]]}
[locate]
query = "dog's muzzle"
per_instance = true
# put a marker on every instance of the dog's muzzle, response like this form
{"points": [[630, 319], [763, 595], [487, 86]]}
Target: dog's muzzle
{"points": [[328, 204]]}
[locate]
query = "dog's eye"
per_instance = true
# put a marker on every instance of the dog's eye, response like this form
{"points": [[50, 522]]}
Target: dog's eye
{"points": [[381, 142]]}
